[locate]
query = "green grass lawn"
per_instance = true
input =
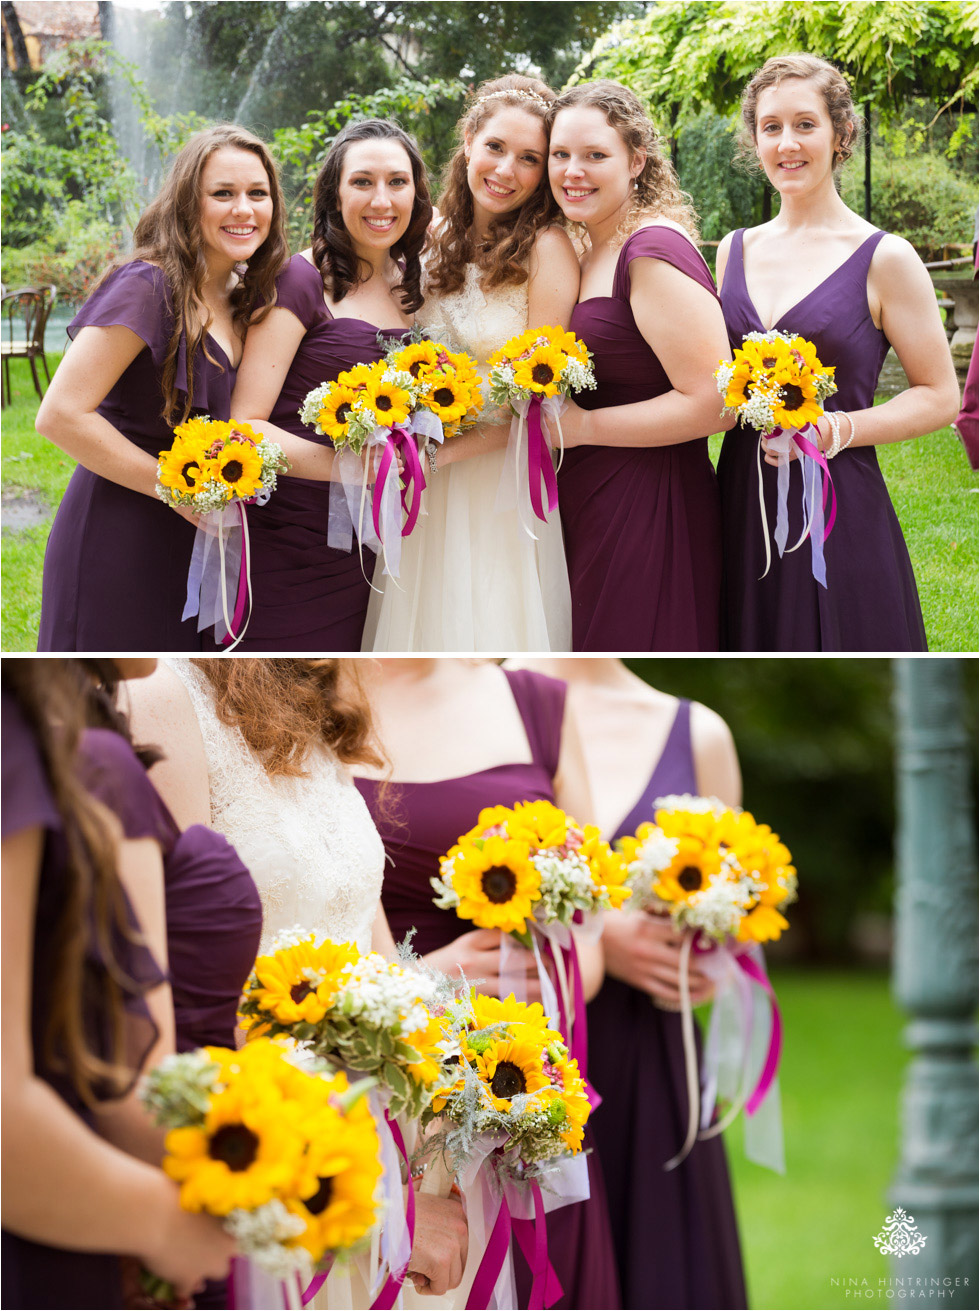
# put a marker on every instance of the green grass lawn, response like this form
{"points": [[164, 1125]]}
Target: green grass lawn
{"points": [[840, 1078], [930, 483]]}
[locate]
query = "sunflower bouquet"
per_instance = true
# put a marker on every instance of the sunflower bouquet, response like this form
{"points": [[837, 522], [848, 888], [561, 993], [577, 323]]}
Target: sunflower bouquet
{"points": [[279, 1146], [215, 468], [533, 872], [405, 404], [777, 385], [532, 374], [725, 880], [508, 1124]]}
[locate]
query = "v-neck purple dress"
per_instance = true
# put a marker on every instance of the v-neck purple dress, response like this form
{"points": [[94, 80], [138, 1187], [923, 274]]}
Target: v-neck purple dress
{"points": [[424, 821], [308, 596], [641, 524], [35, 1274], [115, 568], [870, 602], [675, 1231]]}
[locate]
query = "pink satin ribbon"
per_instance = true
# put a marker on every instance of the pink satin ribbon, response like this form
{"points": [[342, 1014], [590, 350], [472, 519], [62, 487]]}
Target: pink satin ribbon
{"points": [[815, 453], [532, 1235], [412, 479], [771, 1063], [392, 1285], [539, 465], [242, 597]]}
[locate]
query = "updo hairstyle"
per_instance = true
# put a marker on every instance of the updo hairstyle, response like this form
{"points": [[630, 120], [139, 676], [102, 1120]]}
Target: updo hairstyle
{"points": [[831, 84]]}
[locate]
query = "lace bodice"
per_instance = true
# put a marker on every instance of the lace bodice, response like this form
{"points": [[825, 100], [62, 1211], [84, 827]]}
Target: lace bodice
{"points": [[474, 320], [309, 842]]}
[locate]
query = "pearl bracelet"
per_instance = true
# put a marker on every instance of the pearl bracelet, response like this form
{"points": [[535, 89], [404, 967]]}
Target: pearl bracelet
{"points": [[835, 446], [850, 420]]}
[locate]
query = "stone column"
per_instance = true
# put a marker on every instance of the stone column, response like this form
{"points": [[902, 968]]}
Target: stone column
{"points": [[935, 980]]}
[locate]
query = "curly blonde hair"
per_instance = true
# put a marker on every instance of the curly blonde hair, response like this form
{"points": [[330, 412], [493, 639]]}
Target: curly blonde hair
{"points": [[504, 256], [284, 708], [831, 84], [657, 192]]}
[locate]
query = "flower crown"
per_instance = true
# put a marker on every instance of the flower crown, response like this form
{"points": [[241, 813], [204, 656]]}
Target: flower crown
{"points": [[521, 95]]}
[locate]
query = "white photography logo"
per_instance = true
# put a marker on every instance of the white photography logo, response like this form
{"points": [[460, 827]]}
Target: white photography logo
{"points": [[899, 1237]]}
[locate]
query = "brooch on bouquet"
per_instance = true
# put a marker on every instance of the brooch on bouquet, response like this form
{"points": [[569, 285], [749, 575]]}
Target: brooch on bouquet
{"points": [[216, 468], [777, 385], [725, 881]]}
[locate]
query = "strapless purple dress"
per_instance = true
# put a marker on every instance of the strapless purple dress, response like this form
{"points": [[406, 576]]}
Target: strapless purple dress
{"points": [[115, 568], [425, 820], [675, 1231], [641, 524], [34, 1274], [308, 596], [870, 602]]}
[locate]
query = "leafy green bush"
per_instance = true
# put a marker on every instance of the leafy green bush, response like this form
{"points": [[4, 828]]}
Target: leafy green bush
{"points": [[73, 256], [920, 198]]}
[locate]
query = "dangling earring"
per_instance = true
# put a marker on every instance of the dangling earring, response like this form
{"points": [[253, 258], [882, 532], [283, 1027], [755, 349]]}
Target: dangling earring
{"points": [[241, 269]]}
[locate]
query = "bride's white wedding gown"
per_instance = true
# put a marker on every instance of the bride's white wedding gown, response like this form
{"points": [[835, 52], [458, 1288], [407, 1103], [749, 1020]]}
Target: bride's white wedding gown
{"points": [[471, 578]]}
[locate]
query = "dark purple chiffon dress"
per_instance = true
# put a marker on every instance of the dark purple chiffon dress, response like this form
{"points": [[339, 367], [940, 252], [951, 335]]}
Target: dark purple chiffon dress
{"points": [[34, 1274], [115, 569], [426, 819], [870, 602], [675, 1231], [641, 524], [308, 596]]}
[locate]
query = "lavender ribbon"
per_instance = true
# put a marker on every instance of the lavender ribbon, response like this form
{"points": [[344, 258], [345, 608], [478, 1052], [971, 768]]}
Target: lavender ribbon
{"points": [[388, 1296], [815, 472]]}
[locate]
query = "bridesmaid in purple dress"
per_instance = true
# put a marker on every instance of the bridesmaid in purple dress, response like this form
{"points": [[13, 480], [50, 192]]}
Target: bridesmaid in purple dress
{"points": [[819, 270], [512, 750], [69, 1069], [675, 1232], [158, 339], [637, 493], [358, 284]]}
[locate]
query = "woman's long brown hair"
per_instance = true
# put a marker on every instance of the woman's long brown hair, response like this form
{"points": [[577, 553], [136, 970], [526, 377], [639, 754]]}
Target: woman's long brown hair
{"points": [[168, 234], [54, 696]]}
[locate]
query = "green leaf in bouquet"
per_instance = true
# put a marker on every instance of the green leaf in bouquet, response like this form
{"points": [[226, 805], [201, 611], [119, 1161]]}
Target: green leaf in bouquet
{"points": [[395, 1078], [524, 938]]}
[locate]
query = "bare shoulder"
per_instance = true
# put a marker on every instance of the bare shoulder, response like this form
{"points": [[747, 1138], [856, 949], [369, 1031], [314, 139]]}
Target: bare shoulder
{"points": [[894, 255], [554, 245], [160, 706], [715, 757], [708, 730]]}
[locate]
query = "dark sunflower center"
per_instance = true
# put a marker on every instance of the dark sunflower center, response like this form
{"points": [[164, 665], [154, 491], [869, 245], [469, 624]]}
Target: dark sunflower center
{"points": [[768, 361], [299, 991], [444, 396], [499, 883], [792, 396], [320, 1200], [508, 1080], [234, 1144], [233, 471], [383, 402], [416, 368], [689, 878], [344, 411], [543, 374], [189, 472]]}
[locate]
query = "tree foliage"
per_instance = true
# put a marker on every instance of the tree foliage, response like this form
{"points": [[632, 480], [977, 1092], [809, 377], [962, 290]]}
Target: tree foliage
{"points": [[682, 56]]}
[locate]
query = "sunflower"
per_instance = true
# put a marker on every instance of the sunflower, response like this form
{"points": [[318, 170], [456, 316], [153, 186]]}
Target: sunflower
{"points": [[609, 869], [571, 1095], [298, 983], [185, 467], [567, 342], [361, 375], [335, 412], [428, 1070], [417, 358], [509, 1067], [737, 392], [490, 1012], [797, 403], [239, 467], [391, 404], [447, 397], [496, 885], [338, 1198], [701, 852], [541, 371], [244, 1154], [540, 824], [761, 924]]}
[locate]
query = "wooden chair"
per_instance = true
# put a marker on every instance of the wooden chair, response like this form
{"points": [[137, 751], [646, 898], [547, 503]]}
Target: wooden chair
{"points": [[23, 318]]}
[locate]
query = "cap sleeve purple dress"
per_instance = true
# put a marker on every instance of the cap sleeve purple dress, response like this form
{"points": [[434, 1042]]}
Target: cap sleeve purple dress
{"points": [[425, 821], [870, 602], [308, 596], [34, 1274], [675, 1231], [115, 569], [641, 524], [214, 916]]}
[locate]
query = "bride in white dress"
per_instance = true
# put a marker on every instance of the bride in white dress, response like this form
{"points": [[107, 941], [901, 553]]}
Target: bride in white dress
{"points": [[471, 577], [261, 750]]}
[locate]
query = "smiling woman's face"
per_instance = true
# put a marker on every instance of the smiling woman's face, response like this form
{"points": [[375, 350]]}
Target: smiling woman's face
{"points": [[505, 160], [376, 193], [589, 166], [794, 135], [236, 205]]}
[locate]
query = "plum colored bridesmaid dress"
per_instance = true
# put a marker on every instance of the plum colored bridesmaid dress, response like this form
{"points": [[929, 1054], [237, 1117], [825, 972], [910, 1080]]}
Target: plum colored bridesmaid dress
{"points": [[308, 596], [34, 1274], [115, 568], [642, 527], [675, 1231], [870, 602], [421, 823]]}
